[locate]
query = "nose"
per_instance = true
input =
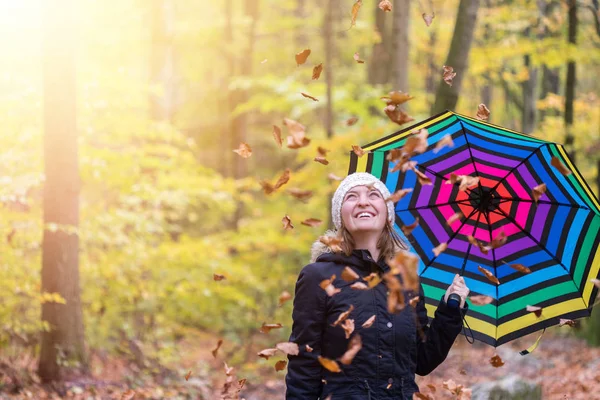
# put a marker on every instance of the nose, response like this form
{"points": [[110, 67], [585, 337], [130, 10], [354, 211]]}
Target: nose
{"points": [[363, 199]]}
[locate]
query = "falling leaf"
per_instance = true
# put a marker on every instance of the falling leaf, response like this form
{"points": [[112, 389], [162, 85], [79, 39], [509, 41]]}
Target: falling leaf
{"points": [[214, 352], [357, 59], [368, 323], [445, 141], [358, 150], [406, 264], [407, 229], [327, 286], [395, 299], [475, 242], [359, 286], [308, 348], [450, 385], [354, 347], [538, 191], [322, 151], [462, 372], [398, 195], [596, 282], [333, 242], [556, 163], [264, 61], [187, 376], [428, 18], [448, 75], [312, 222], [355, 9], [302, 56], [330, 365], [520, 268], [283, 297], [568, 322], [468, 182], [308, 96], [266, 328], [480, 300], [439, 249], [396, 98], [385, 5], [217, 277], [496, 361], [243, 150], [453, 218], [283, 179], [266, 353], [348, 326], [289, 348], [277, 135], [302, 195], [349, 275], [317, 69], [395, 114], [535, 309], [373, 279], [488, 275], [342, 317], [432, 387], [351, 121], [483, 113], [499, 240], [280, 365], [297, 138], [423, 179], [241, 383], [267, 187], [287, 223], [416, 142], [128, 395], [414, 301], [334, 177]]}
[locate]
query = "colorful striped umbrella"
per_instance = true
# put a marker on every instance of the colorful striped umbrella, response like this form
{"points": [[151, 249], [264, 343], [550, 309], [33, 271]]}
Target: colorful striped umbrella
{"points": [[555, 234]]}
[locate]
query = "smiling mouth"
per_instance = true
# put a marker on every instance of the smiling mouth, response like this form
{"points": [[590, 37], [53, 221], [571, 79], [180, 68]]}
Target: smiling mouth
{"points": [[364, 215]]}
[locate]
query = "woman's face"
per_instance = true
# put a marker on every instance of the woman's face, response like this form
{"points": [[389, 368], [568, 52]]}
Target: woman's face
{"points": [[364, 210]]}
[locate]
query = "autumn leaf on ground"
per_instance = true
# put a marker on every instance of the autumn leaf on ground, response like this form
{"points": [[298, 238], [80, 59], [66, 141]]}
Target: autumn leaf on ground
{"points": [[483, 113], [398, 195], [357, 59], [355, 9], [354, 347], [128, 395], [556, 163], [280, 365], [496, 361], [266, 328], [348, 326], [432, 388], [327, 286], [243, 150], [277, 135], [308, 96], [317, 69], [538, 191], [289, 348], [445, 141], [453, 218], [359, 286], [308, 348], [450, 385], [385, 5], [422, 396], [568, 322], [283, 297], [422, 178], [187, 376], [488, 275], [312, 222], [481, 300], [214, 352], [332, 242], [342, 317], [302, 56], [428, 18], [287, 223], [351, 121], [217, 277], [535, 309], [241, 383], [330, 365], [334, 177], [321, 160], [302, 195], [266, 353], [349, 275], [395, 114], [448, 75], [358, 150], [439, 249], [407, 229]]}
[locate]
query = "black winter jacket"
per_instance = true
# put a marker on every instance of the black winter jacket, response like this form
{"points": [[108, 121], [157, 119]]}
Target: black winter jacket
{"points": [[392, 348]]}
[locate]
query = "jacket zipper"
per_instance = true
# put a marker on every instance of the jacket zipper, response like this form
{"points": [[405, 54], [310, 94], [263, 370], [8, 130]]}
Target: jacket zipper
{"points": [[368, 389]]}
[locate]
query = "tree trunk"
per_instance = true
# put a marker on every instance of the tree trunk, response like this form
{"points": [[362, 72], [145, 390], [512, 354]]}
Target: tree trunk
{"points": [[432, 68], [62, 348], [458, 55], [400, 45], [529, 97], [328, 34], [300, 36], [570, 83], [378, 68], [163, 61], [550, 77]]}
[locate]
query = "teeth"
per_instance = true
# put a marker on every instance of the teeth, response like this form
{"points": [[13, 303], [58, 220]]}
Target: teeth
{"points": [[364, 215]]}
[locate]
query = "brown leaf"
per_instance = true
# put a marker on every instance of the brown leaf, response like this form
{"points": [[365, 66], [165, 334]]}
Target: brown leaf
{"points": [[243, 150], [317, 69], [283, 179], [354, 347], [462, 372], [297, 132], [322, 151], [187, 376], [332, 242], [308, 348], [321, 160], [266, 328], [327, 286], [241, 383], [385, 5], [283, 297], [448, 75], [289, 348], [287, 223], [280, 365], [423, 179], [477, 243], [266, 353], [556, 163], [302, 56], [499, 240], [358, 150], [496, 361], [535, 309], [453, 218], [406, 264], [395, 114], [416, 142], [414, 301], [481, 300], [398, 195], [216, 349], [443, 142], [267, 187], [349, 275], [348, 326], [450, 385], [483, 113], [520, 268], [422, 396], [217, 277], [407, 229], [359, 286], [342, 317], [396, 98], [330, 365], [334, 177], [395, 299], [128, 395], [357, 59], [368, 323], [428, 18], [564, 322], [277, 135], [488, 275], [468, 182], [308, 96], [439, 249], [355, 9], [302, 195], [312, 222], [432, 388], [351, 121], [538, 191], [372, 279]]}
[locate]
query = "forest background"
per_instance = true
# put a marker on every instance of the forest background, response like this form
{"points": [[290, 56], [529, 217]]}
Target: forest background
{"points": [[120, 183]]}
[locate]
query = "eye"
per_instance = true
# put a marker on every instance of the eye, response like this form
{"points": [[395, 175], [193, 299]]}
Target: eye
{"points": [[350, 196], [374, 194]]}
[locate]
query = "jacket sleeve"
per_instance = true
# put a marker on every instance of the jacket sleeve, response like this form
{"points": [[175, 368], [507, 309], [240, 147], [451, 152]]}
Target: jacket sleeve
{"points": [[437, 339], [303, 379]]}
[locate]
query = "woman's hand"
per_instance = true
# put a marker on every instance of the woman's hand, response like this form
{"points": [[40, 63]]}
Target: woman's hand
{"points": [[459, 287]]}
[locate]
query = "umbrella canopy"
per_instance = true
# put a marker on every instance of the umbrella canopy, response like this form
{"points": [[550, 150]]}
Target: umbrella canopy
{"points": [[497, 225]]}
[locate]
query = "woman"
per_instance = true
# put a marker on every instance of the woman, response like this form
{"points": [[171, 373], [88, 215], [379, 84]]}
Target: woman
{"points": [[395, 346]]}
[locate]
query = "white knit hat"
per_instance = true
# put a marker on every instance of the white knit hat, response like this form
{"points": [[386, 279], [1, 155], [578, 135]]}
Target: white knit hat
{"points": [[358, 179]]}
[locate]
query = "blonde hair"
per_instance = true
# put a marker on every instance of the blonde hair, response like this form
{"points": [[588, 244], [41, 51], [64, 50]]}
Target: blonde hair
{"points": [[388, 243]]}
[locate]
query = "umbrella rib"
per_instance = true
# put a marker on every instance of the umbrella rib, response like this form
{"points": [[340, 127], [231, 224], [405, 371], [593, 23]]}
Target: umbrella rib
{"points": [[532, 238], [518, 165], [509, 199], [435, 205], [462, 270], [471, 154], [495, 271], [436, 174]]}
